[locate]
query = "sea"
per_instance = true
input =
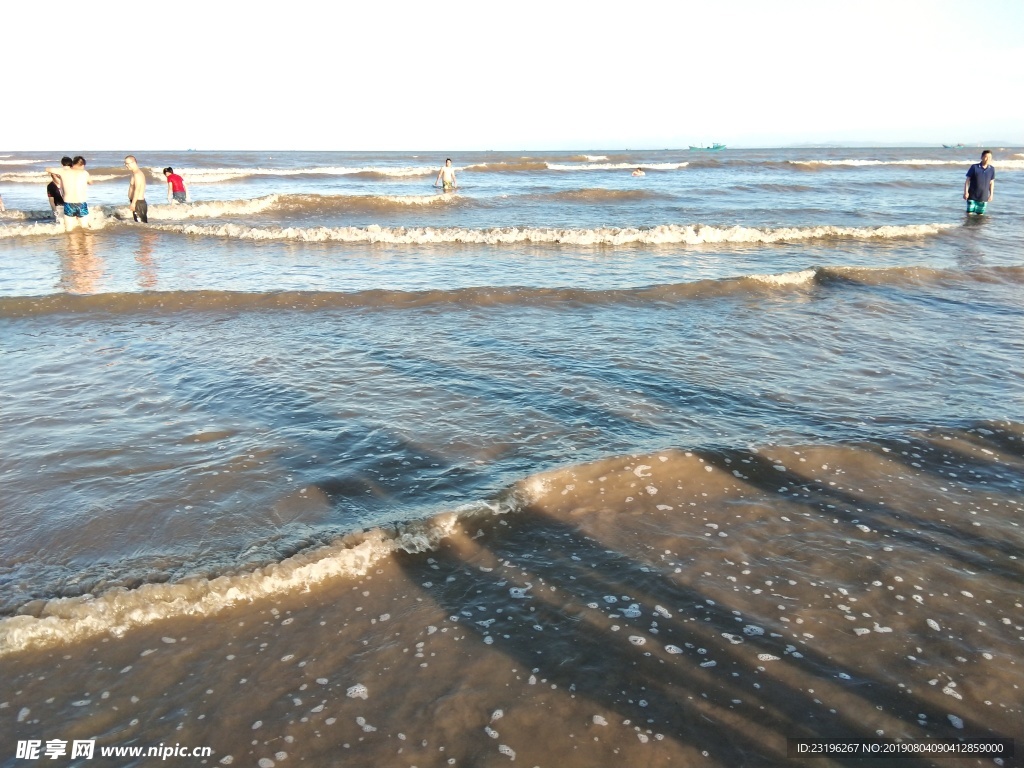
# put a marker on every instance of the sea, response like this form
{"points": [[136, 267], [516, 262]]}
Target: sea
{"points": [[565, 467]]}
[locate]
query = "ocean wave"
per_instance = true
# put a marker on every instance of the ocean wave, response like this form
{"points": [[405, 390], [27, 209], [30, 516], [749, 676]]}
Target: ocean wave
{"points": [[1015, 165], [214, 175], [116, 612], [600, 195], [170, 302], [286, 203], [17, 161], [42, 177], [667, 234], [511, 166], [615, 166], [42, 223]]}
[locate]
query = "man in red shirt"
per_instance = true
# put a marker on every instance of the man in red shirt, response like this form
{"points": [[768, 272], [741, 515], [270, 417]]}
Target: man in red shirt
{"points": [[175, 187]]}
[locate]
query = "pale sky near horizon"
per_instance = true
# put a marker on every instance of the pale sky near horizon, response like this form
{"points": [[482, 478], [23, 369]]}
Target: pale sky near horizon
{"points": [[524, 75]]}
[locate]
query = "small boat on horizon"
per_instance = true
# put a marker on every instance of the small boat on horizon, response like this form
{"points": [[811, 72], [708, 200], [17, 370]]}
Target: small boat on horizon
{"points": [[952, 146], [713, 148]]}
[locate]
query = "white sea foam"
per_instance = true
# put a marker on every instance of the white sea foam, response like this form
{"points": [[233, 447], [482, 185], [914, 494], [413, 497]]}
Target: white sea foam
{"points": [[204, 210], [667, 234], [615, 166], [97, 220], [787, 278], [17, 161], [118, 611]]}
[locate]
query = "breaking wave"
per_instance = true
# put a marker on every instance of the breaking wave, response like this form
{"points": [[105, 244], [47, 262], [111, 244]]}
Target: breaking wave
{"points": [[667, 234], [118, 610]]}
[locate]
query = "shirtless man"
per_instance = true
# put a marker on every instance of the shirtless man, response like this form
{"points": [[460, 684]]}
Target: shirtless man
{"points": [[75, 183], [137, 191], [446, 176], [54, 192]]}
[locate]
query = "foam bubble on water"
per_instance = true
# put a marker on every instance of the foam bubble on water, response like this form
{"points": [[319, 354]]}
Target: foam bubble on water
{"points": [[643, 738], [367, 728], [488, 640], [955, 721], [497, 715], [507, 750], [752, 630], [520, 593], [358, 691], [266, 762], [611, 599], [258, 724], [632, 611], [491, 732], [637, 640], [651, 490], [227, 760], [663, 612], [641, 470], [950, 690], [844, 676], [673, 649], [861, 631], [709, 663], [934, 625], [767, 657], [23, 714], [598, 720], [732, 638]]}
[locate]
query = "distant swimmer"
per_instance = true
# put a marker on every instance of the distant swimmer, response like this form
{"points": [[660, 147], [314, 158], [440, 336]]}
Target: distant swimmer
{"points": [[137, 190], [176, 189], [446, 176], [980, 185], [74, 182], [639, 172]]}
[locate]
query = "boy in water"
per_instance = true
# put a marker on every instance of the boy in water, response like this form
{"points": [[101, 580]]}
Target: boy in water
{"points": [[175, 186], [980, 184], [137, 190], [446, 176], [74, 182]]}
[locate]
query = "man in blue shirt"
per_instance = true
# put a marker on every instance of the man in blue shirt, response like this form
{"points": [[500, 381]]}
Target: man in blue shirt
{"points": [[980, 184]]}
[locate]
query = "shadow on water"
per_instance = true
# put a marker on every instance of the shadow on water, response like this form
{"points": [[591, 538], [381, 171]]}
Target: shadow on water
{"points": [[735, 711]]}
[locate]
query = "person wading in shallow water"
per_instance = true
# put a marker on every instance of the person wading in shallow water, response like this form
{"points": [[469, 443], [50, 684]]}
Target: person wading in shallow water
{"points": [[980, 184], [446, 176], [74, 182]]}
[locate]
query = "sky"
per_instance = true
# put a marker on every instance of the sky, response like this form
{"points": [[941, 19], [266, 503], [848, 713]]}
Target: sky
{"points": [[305, 75]]}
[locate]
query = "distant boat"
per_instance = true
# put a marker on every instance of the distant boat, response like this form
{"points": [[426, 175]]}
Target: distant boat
{"points": [[952, 146], [712, 148]]}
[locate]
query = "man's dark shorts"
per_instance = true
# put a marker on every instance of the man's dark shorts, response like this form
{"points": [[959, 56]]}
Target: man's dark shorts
{"points": [[141, 211]]}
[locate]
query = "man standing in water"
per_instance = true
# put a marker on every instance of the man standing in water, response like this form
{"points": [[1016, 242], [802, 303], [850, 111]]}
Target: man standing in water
{"points": [[54, 193], [980, 184], [137, 190], [75, 183], [446, 176]]}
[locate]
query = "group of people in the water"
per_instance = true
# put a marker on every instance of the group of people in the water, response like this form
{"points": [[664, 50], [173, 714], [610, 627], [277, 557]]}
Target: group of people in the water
{"points": [[67, 191], [68, 188]]}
